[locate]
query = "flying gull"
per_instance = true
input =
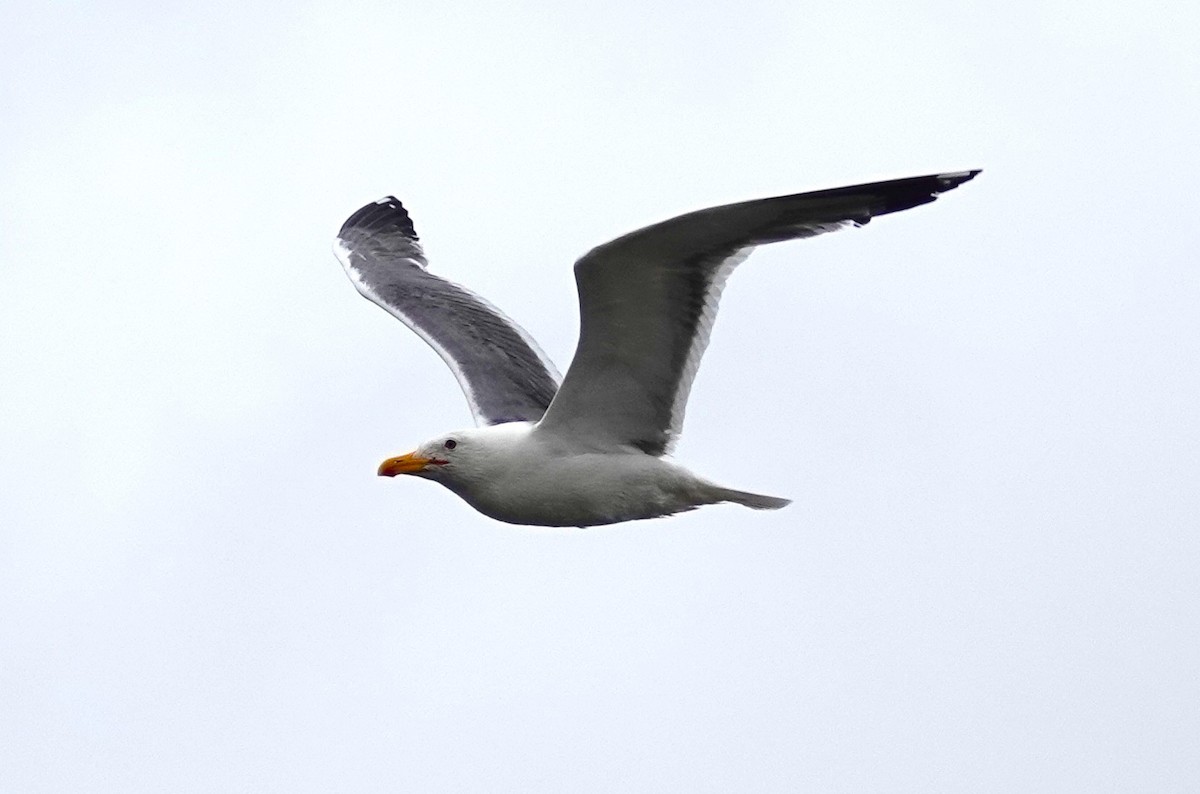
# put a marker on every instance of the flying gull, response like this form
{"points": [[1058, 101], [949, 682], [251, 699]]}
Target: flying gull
{"points": [[590, 448]]}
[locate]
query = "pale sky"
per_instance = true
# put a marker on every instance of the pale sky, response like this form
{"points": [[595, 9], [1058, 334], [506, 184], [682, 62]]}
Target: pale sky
{"points": [[985, 409]]}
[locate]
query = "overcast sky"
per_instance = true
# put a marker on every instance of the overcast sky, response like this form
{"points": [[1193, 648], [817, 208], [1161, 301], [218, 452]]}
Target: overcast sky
{"points": [[985, 408]]}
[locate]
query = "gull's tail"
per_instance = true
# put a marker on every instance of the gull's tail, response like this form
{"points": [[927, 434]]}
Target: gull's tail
{"points": [[755, 501]]}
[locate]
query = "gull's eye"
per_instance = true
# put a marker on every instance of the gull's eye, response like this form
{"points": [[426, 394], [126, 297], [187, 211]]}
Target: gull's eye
{"points": [[450, 443]]}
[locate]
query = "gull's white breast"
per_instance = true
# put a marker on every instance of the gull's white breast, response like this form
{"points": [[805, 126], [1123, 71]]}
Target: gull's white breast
{"points": [[534, 482]]}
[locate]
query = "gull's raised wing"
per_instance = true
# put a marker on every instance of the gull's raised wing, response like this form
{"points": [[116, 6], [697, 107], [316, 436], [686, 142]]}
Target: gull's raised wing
{"points": [[647, 302], [505, 376]]}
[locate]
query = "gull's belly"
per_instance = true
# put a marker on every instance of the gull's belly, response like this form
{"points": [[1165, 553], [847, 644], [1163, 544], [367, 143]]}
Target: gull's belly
{"points": [[589, 489]]}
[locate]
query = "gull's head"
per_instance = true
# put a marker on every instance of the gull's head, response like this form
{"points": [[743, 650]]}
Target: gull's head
{"points": [[459, 455], [436, 459]]}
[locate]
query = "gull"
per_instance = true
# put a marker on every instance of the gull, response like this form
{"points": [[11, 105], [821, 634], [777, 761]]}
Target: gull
{"points": [[592, 448]]}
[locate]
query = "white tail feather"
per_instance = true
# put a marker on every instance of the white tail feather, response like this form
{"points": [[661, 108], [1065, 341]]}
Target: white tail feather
{"points": [[755, 501]]}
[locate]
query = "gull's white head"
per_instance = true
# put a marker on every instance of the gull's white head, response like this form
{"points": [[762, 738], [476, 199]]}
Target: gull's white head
{"points": [[436, 459], [460, 455]]}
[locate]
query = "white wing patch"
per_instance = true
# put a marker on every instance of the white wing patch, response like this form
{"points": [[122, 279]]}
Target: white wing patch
{"points": [[704, 324], [708, 316]]}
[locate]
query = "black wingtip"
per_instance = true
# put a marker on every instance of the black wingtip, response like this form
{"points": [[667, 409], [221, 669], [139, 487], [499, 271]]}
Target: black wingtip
{"points": [[956, 178], [385, 215], [902, 194]]}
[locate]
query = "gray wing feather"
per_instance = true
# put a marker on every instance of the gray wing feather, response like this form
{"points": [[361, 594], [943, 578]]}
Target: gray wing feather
{"points": [[505, 376], [647, 302]]}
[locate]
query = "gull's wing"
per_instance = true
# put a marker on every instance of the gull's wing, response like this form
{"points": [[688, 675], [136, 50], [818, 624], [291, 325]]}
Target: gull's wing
{"points": [[505, 376], [647, 302]]}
